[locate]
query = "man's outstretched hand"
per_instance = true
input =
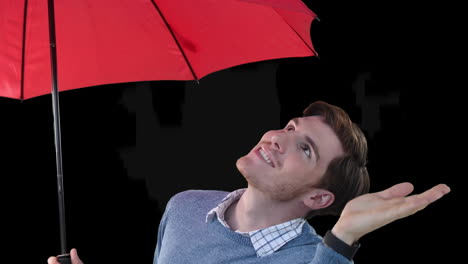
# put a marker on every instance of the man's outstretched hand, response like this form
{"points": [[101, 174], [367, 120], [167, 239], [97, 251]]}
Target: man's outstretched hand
{"points": [[371, 211]]}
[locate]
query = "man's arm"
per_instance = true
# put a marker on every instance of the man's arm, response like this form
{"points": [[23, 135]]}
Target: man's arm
{"points": [[371, 211], [161, 229], [160, 238]]}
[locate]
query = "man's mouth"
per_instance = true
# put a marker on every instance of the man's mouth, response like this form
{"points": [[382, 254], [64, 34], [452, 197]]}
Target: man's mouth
{"points": [[265, 157]]}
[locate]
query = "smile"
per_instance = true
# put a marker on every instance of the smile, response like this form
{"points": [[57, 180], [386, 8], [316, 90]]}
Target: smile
{"points": [[265, 157]]}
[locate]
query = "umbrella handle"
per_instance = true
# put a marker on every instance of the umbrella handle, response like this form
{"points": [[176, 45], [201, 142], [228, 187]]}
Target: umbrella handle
{"points": [[64, 259]]}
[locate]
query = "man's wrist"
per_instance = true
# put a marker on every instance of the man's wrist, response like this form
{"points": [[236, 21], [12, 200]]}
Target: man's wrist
{"points": [[340, 246], [343, 236]]}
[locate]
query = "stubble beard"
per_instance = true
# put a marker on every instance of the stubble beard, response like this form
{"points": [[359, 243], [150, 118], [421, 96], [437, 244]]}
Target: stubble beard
{"points": [[278, 191]]}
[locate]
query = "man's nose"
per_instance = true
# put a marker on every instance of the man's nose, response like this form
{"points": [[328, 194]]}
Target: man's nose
{"points": [[277, 142]]}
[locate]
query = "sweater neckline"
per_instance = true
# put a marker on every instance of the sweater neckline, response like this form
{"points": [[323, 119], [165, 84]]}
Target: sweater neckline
{"points": [[234, 236]]}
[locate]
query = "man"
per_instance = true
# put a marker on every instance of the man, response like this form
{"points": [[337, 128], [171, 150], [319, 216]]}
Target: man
{"points": [[316, 165]]}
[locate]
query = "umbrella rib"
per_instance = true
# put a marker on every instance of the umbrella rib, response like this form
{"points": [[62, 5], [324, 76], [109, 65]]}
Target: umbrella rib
{"points": [[305, 42], [175, 39], [23, 50]]}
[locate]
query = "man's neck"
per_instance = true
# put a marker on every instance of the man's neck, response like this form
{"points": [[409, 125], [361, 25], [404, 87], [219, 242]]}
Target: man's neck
{"points": [[254, 210]]}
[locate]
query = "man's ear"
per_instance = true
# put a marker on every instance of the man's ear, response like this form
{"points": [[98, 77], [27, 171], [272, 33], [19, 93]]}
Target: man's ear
{"points": [[318, 199]]}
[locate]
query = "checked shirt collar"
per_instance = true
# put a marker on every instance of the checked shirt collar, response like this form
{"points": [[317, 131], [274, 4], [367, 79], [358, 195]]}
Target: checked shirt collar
{"points": [[265, 241]]}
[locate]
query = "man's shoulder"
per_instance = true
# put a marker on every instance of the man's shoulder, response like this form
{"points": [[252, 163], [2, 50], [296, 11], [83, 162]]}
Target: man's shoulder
{"points": [[197, 197], [200, 194]]}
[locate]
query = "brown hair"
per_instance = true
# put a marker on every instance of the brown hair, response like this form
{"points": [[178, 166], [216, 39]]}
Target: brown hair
{"points": [[346, 176]]}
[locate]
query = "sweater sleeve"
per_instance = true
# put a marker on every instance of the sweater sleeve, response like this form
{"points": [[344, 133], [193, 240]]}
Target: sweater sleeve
{"points": [[160, 238], [161, 229], [326, 255]]}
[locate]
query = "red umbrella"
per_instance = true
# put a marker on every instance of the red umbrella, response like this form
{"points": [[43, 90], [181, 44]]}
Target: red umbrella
{"points": [[104, 41], [94, 42]]}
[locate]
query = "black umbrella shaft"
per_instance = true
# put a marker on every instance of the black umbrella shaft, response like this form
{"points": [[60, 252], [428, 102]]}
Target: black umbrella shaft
{"points": [[56, 113]]}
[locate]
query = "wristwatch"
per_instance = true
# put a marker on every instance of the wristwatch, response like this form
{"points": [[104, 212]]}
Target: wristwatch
{"points": [[340, 246]]}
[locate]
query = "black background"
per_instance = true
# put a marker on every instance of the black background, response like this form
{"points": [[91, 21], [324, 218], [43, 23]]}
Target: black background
{"points": [[127, 148]]}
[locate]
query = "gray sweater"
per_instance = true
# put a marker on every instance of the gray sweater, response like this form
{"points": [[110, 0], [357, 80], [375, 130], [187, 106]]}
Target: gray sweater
{"points": [[185, 237]]}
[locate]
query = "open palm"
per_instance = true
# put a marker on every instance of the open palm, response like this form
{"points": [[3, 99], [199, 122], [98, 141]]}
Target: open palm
{"points": [[371, 211]]}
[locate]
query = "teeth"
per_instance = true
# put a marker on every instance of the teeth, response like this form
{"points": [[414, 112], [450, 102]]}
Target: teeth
{"points": [[265, 157]]}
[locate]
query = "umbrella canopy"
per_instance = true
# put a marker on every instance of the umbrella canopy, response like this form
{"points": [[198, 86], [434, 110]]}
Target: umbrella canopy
{"points": [[47, 46], [106, 41]]}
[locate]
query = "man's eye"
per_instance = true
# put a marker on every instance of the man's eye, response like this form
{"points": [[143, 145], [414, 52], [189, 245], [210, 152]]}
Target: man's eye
{"points": [[306, 150], [290, 128]]}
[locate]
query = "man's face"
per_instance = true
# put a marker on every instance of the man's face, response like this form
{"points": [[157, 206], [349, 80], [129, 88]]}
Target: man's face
{"points": [[286, 163]]}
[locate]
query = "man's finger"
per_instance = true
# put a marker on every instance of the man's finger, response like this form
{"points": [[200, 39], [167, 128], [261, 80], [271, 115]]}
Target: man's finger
{"points": [[52, 260], [424, 199], [74, 256], [397, 190], [417, 202]]}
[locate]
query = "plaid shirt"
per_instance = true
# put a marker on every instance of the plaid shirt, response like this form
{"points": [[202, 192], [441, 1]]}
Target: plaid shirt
{"points": [[265, 241]]}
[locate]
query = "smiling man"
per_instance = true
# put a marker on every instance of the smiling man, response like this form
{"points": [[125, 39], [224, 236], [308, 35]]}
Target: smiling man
{"points": [[313, 166], [316, 165]]}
